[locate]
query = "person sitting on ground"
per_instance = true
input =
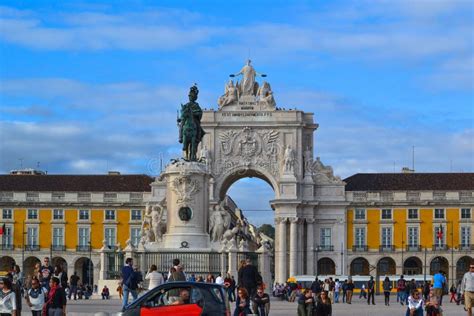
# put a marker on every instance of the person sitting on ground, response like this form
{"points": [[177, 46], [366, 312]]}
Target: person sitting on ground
{"points": [[105, 293], [183, 298], [261, 303], [415, 304], [323, 305], [306, 303], [432, 305]]}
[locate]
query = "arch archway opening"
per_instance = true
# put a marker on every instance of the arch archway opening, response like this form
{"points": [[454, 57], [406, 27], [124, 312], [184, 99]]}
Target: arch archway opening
{"points": [[386, 266], [359, 266], [237, 175], [29, 265], [6, 263], [252, 195], [439, 264], [84, 268], [61, 262], [326, 267], [462, 266], [412, 266]]}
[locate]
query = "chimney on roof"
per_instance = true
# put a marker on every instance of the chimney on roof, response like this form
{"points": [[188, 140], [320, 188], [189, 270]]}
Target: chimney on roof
{"points": [[407, 170], [113, 173]]}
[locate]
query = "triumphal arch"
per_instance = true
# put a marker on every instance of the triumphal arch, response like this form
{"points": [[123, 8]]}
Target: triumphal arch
{"points": [[250, 135]]}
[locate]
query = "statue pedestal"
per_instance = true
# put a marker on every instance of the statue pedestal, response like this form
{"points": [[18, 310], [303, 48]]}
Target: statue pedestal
{"points": [[187, 203]]}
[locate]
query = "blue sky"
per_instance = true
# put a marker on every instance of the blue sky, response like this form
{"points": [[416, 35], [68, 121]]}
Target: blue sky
{"points": [[89, 86]]}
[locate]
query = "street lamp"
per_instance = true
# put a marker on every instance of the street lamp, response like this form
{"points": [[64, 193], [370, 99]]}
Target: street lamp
{"points": [[90, 263], [317, 250]]}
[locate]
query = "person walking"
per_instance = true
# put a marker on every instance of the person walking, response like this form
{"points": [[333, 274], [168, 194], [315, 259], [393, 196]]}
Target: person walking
{"points": [[36, 297], [467, 286], [220, 279], [155, 278], [438, 284], [315, 287], [349, 291], [46, 271], [17, 286], [7, 298], [387, 288], [344, 291], [337, 288], [306, 303], [415, 304], [242, 304], [250, 278], [452, 291], [73, 282], [56, 302], [401, 284], [129, 281], [261, 303], [371, 291], [227, 286], [61, 275], [323, 305]]}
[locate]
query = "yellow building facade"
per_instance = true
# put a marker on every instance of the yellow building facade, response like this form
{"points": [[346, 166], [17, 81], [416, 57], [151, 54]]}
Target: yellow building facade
{"points": [[69, 218]]}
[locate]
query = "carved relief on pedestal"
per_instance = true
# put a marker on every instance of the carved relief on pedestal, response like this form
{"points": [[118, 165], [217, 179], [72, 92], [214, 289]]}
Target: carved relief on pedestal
{"points": [[153, 225], [185, 188], [247, 147]]}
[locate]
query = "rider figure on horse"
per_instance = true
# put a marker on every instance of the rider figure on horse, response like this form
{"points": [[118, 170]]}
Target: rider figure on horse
{"points": [[189, 121]]}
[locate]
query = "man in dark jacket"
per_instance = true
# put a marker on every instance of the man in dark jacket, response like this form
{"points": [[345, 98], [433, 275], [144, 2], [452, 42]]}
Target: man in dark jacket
{"points": [[250, 278], [371, 290], [129, 281]]}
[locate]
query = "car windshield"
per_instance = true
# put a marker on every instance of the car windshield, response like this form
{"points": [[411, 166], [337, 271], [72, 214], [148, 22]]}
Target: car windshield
{"points": [[175, 296]]}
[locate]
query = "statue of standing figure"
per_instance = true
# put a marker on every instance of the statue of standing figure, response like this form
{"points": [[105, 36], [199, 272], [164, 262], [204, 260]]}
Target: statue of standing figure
{"points": [[152, 220], [189, 122], [206, 157], [289, 159], [219, 222], [265, 94], [248, 86]]}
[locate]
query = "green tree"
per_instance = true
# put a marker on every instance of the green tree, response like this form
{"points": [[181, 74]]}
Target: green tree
{"points": [[268, 230]]}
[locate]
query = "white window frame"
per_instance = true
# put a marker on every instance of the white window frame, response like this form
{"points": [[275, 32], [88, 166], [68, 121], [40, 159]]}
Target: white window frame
{"points": [[110, 210], [61, 211], [36, 243], [461, 213], [417, 236], [88, 215], [7, 210], [435, 238], [364, 241], [324, 237], [53, 236], [114, 236], [386, 209], [131, 215], [390, 237], [88, 236], [461, 235], [135, 239], [439, 218], [417, 214], [28, 214], [364, 212], [8, 241]]}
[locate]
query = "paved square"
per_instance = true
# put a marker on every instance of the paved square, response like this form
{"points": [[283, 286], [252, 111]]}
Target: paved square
{"points": [[278, 308]]}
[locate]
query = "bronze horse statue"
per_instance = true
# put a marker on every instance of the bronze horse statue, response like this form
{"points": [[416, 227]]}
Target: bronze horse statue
{"points": [[189, 121]]}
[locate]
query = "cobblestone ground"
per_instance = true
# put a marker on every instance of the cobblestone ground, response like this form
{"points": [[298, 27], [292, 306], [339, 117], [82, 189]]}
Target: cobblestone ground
{"points": [[358, 308]]}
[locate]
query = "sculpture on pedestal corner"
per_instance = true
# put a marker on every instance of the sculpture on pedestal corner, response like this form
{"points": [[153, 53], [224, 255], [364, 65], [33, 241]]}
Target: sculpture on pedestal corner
{"points": [[219, 221], [189, 122], [289, 159], [151, 229]]}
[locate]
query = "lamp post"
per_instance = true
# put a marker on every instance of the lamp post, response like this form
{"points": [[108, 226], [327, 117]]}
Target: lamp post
{"points": [[90, 264], [317, 250]]}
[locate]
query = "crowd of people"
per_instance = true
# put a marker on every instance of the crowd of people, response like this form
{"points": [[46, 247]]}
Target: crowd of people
{"points": [[45, 290], [418, 298]]}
